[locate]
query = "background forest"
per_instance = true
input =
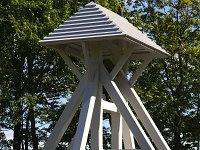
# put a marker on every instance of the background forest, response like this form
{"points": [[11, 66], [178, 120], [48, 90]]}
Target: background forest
{"points": [[35, 82]]}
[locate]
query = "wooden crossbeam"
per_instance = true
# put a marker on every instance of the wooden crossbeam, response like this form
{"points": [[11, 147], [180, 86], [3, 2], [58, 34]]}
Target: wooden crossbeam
{"points": [[108, 106]]}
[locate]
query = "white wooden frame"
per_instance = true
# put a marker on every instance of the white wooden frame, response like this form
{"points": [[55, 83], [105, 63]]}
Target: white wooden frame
{"points": [[88, 94]]}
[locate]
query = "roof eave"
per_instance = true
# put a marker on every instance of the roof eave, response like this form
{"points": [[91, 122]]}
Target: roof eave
{"points": [[162, 53], [75, 40]]}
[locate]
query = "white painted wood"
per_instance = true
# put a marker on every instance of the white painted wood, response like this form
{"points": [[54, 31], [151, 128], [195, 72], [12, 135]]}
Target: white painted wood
{"points": [[97, 122], [128, 138], [120, 64], [69, 62], [125, 110], [71, 51], [83, 29], [85, 117], [87, 59], [131, 31], [75, 29], [140, 70], [138, 56], [108, 106], [116, 130], [70, 144], [66, 117], [142, 113]]}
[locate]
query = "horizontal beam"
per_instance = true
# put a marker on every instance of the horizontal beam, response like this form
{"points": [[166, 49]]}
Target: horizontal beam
{"points": [[108, 106]]}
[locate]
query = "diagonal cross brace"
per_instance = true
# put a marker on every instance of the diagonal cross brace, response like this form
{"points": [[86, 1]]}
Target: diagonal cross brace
{"points": [[140, 70], [120, 64], [125, 110], [142, 113], [66, 117], [69, 62]]}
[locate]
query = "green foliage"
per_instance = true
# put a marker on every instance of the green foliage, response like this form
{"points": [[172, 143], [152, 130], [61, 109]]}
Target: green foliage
{"points": [[170, 87], [33, 78]]}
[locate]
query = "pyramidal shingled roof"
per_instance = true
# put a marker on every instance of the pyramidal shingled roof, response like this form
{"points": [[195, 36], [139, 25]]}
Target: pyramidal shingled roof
{"points": [[94, 22]]}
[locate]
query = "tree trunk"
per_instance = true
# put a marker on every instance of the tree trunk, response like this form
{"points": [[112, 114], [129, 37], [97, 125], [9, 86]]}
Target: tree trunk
{"points": [[18, 133], [177, 141], [18, 114], [33, 130], [27, 132], [17, 136]]}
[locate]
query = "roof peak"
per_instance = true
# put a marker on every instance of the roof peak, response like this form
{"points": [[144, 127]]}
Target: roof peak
{"points": [[95, 22], [90, 3]]}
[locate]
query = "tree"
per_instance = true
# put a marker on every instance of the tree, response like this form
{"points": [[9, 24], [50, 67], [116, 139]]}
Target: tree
{"points": [[170, 87], [33, 78], [30, 73]]}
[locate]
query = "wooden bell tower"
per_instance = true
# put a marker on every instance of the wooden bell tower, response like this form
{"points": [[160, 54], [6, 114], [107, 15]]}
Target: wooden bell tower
{"points": [[95, 35]]}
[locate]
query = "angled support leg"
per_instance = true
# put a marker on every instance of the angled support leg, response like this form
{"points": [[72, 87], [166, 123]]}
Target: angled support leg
{"points": [[87, 59], [65, 118], [125, 110], [97, 124], [116, 129], [128, 139], [85, 117], [142, 113]]}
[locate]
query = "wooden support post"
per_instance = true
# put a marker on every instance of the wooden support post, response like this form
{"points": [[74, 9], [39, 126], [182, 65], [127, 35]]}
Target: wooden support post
{"points": [[87, 60], [128, 139], [125, 110], [66, 117], [142, 113], [140, 70], [116, 130], [97, 124], [69, 62], [85, 117]]}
